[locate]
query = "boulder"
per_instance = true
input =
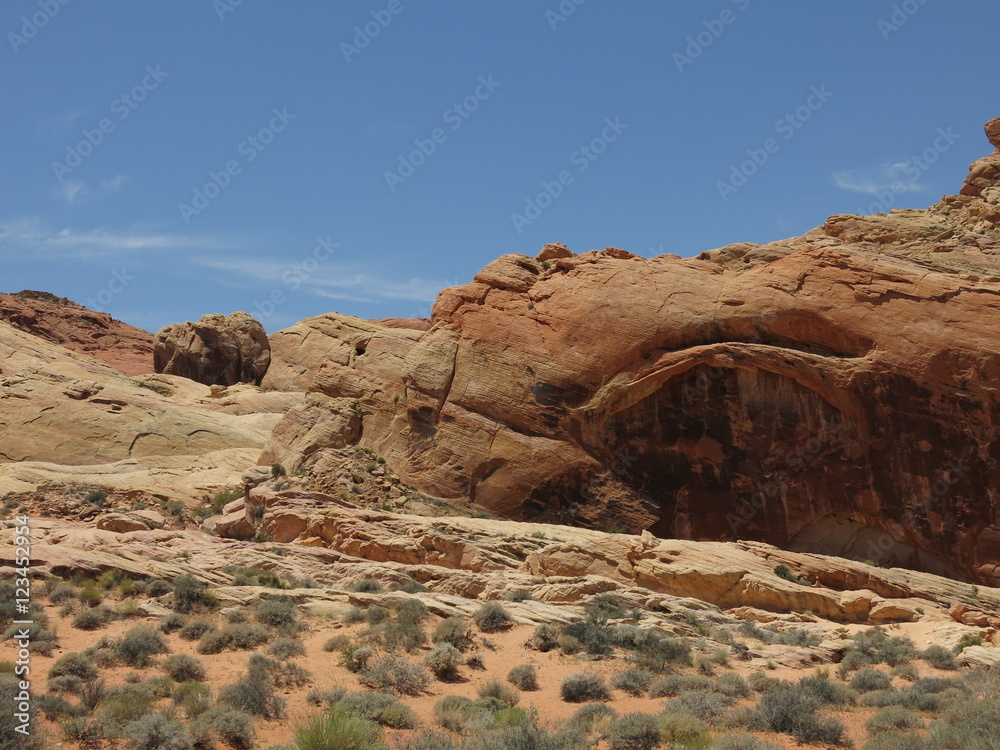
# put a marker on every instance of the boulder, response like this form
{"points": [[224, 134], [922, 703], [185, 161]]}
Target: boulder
{"points": [[216, 350]]}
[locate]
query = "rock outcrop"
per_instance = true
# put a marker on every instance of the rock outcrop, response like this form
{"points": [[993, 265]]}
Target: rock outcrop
{"points": [[57, 320], [836, 391], [216, 350]]}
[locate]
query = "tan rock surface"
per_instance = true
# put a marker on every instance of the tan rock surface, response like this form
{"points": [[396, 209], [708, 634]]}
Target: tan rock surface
{"points": [[837, 389], [216, 350]]}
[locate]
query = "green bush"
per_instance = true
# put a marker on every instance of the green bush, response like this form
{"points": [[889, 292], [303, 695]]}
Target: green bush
{"points": [[455, 631], [55, 707], [492, 618], [125, 703], [367, 586], [411, 611], [741, 741], [524, 677], [578, 688], [286, 648], [392, 674], [874, 646], [237, 637], [732, 685], [194, 698], [172, 622], [789, 710], [940, 658], [227, 725], [62, 593], [684, 729], [195, 629], [183, 668], [545, 638], [157, 732], [636, 731], [906, 672], [92, 694], [93, 618], [869, 679], [254, 692], [659, 654], [337, 729], [74, 664], [276, 613], [893, 719], [318, 697], [783, 571], [356, 658], [138, 645], [496, 689], [632, 681], [676, 684], [443, 661], [190, 595], [429, 739], [706, 706]]}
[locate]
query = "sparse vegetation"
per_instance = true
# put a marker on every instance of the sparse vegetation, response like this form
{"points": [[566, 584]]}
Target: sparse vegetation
{"points": [[492, 617]]}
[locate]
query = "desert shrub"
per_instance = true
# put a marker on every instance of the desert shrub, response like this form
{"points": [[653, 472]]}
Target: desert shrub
{"points": [[443, 661], [337, 729], [706, 706], [183, 668], [524, 677], [592, 637], [336, 643], [761, 683], [411, 611], [704, 666], [234, 637], [783, 571], [275, 613], [396, 635], [969, 639], [356, 658], [392, 674], [732, 685], [255, 692], [869, 679], [454, 631], [496, 689], [92, 618], [354, 615], [968, 725], [939, 657], [684, 729], [195, 629], [55, 707], [172, 622], [789, 710], [157, 732], [66, 683], [896, 741], [874, 646], [492, 618], [318, 697], [89, 596], [228, 725], [79, 730], [429, 739], [518, 595], [190, 595], [74, 664], [632, 681], [893, 719], [155, 587], [137, 647], [827, 692], [659, 654], [636, 731], [454, 712], [366, 586], [676, 684], [366, 704], [398, 716], [591, 717], [92, 694], [906, 672], [578, 688], [286, 648], [194, 698], [545, 638], [124, 703], [741, 741], [475, 661], [62, 593], [127, 608]]}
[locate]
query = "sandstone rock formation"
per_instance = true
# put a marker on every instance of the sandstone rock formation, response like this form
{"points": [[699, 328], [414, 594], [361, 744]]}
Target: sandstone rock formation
{"points": [[836, 391], [217, 350], [57, 320]]}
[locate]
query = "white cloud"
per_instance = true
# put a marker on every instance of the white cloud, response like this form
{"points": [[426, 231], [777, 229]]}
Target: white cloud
{"points": [[328, 279], [73, 192], [877, 179], [34, 236]]}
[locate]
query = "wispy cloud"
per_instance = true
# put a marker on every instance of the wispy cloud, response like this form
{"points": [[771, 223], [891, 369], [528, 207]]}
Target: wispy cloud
{"points": [[329, 280], [877, 179], [35, 236], [74, 192]]}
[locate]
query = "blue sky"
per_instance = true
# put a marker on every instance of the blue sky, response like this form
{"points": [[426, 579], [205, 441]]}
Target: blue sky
{"points": [[162, 160]]}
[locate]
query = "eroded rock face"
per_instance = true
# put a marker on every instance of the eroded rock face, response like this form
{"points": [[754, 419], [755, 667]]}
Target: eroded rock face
{"points": [[832, 387], [217, 350]]}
